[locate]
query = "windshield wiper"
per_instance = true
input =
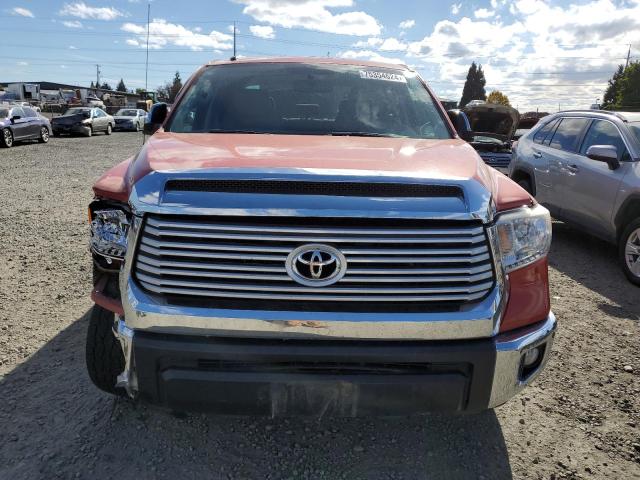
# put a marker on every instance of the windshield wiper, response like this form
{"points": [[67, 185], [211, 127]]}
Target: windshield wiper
{"points": [[223, 130], [365, 134]]}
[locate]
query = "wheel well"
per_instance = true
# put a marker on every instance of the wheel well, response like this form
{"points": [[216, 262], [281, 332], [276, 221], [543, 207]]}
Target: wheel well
{"points": [[524, 175], [629, 211]]}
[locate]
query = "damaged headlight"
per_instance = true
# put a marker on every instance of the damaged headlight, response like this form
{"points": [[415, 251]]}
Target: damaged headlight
{"points": [[523, 236], [109, 233]]}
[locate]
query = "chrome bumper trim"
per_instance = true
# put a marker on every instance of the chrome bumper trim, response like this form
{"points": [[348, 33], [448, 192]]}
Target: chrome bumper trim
{"points": [[509, 350]]}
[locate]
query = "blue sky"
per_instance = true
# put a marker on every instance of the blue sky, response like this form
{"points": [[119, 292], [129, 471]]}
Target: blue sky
{"points": [[541, 53]]}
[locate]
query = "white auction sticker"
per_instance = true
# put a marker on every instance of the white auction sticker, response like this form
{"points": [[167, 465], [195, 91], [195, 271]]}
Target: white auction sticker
{"points": [[388, 76]]}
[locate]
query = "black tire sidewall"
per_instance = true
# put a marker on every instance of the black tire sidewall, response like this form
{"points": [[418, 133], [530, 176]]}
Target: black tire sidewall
{"points": [[635, 224], [2, 140], [526, 185]]}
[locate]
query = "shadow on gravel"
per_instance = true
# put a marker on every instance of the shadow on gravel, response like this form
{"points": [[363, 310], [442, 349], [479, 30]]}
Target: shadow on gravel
{"points": [[594, 263], [55, 424]]}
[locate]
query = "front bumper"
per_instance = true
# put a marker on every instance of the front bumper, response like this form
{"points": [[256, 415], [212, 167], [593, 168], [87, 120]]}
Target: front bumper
{"points": [[328, 377], [82, 129]]}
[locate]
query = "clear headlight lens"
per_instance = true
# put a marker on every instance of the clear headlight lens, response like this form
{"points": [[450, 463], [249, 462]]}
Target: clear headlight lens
{"points": [[109, 233], [524, 236]]}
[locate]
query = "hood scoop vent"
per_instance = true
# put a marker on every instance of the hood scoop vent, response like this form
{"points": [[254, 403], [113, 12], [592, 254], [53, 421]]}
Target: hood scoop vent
{"points": [[297, 187]]}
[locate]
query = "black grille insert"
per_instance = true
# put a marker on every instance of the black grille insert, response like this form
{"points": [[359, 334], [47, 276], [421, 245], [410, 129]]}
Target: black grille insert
{"points": [[296, 187]]}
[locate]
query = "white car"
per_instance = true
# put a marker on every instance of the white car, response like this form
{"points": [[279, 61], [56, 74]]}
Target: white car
{"points": [[129, 119]]}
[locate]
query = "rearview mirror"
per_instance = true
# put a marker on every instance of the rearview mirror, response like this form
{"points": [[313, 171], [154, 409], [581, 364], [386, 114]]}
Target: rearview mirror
{"points": [[604, 153], [155, 118], [460, 123], [15, 117]]}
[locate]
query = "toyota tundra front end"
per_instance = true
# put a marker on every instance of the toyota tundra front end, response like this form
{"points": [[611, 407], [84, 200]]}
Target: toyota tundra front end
{"points": [[310, 236]]}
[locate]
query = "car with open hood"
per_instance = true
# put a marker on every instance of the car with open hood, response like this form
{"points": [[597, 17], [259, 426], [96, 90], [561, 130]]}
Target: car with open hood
{"points": [[311, 236], [492, 129]]}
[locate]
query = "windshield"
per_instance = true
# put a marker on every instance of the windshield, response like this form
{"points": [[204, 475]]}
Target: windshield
{"points": [[305, 99], [75, 111], [126, 113], [635, 129]]}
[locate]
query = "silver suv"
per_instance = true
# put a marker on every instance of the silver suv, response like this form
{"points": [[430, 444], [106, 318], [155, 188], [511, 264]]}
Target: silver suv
{"points": [[584, 166]]}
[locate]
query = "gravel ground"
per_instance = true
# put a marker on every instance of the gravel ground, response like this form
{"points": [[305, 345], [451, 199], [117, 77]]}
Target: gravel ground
{"points": [[581, 419]]}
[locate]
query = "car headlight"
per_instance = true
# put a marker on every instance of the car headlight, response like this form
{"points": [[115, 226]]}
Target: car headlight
{"points": [[109, 230], [523, 236]]}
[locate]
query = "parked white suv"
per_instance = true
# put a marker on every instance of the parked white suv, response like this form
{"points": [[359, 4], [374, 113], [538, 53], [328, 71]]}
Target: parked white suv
{"points": [[584, 166]]}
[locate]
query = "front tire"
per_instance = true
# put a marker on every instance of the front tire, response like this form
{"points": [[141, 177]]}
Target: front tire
{"points": [[6, 139], [109, 129], [526, 185], [44, 135], [629, 251], [105, 360]]}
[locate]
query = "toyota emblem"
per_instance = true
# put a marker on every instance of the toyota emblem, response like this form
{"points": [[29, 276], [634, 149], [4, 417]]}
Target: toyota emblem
{"points": [[316, 265]]}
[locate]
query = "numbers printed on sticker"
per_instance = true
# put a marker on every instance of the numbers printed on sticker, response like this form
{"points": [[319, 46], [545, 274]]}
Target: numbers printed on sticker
{"points": [[388, 76]]}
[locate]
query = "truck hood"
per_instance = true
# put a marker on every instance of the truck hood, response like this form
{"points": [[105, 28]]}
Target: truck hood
{"points": [[168, 156]]}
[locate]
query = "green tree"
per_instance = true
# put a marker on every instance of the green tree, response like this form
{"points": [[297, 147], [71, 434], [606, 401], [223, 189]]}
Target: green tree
{"points": [[474, 85], [121, 86], [170, 90], [106, 86], [498, 97], [611, 94], [628, 94], [92, 86]]}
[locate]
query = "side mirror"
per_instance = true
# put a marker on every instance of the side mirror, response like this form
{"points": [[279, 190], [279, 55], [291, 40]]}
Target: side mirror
{"points": [[155, 118], [15, 117], [604, 153], [460, 123]]}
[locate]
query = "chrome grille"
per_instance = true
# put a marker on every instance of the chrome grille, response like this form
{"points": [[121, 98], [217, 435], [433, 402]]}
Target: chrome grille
{"points": [[496, 160], [389, 261]]}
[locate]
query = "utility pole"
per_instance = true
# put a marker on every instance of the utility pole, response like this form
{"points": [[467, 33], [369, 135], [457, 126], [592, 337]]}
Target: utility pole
{"points": [[628, 56], [146, 65], [97, 76], [234, 41]]}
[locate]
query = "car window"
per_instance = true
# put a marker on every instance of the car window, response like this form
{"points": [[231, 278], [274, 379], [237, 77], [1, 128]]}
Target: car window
{"points": [[29, 112], [309, 99], [602, 132], [99, 113], [544, 132], [568, 133], [635, 129], [17, 112]]}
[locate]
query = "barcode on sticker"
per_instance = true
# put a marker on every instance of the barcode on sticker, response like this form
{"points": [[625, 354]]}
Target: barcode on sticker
{"points": [[388, 76]]}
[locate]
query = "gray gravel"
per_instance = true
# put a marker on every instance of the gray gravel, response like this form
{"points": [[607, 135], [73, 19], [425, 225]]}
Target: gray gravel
{"points": [[581, 419]]}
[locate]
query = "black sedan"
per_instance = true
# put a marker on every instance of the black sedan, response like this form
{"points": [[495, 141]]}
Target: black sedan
{"points": [[19, 123]]}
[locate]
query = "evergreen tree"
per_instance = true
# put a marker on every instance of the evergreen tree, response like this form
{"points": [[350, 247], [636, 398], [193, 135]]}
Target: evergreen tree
{"points": [[611, 94], [628, 94], [106, 86], [121, 87], [474, 85], [92, 85], [170, 90]]}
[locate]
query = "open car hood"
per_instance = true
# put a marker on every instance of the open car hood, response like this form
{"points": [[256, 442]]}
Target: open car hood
{"points": [[492, 120]]}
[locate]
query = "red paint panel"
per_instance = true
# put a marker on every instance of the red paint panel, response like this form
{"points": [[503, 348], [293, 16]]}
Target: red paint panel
{"points": [[528, 296], [113, 184]]}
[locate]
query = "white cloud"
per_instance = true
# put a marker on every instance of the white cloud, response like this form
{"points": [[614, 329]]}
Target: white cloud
{"points": [[133, 42], [368, 43], [392, 45], [162, 33], [71, 47], [23, 12], [262, 31], [369, 55], [483, 13], [84, 11], [72, 23], [22, 64], [312, 15], [455, 8], [407, 24]]}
